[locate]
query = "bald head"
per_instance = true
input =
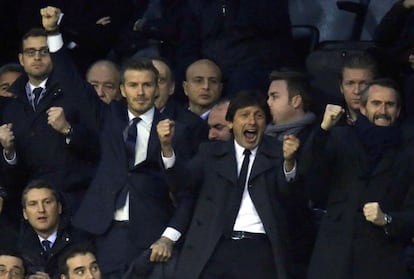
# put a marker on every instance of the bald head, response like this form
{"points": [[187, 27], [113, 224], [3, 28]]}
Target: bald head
{"points": [[166, 84], [105, 78], [203, 85], [218, 128]]}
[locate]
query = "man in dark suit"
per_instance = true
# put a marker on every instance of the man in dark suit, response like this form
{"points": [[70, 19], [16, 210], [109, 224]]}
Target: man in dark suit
{"points": [[239, 227], [47, 131], [370, 208], [47, 231], [129, 205], [173, 110]]}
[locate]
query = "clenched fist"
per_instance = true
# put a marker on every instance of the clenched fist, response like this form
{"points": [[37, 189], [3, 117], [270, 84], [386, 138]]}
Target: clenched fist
{"points": [[331, 116]]}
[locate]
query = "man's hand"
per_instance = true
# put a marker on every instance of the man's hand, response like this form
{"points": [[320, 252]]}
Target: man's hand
{"points": [[373, 213], [56, 118], [290, 147], [408, 4], [166, 129], [50, 16], [331, 116], [7, 139], [161, 250]]}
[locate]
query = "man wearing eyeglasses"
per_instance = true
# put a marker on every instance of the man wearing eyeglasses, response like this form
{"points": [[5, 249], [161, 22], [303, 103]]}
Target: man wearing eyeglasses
{"points": [[46, 130], [11, 265]]}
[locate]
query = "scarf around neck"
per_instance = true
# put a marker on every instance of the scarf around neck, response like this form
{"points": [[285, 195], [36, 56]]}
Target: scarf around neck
{"points": [[377, 139], [292, 128]]}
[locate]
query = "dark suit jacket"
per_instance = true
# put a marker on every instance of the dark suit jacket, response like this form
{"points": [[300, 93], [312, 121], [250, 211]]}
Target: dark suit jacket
{"points": [[346, 241], [41, 151], [197, 126], [151, 207], [213, 170], [33, 253]]}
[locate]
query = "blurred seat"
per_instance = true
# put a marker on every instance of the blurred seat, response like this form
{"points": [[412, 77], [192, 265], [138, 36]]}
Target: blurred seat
{"points": [[305, 39]]}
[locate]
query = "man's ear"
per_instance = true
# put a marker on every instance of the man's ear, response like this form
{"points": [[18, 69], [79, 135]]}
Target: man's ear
{"points": [[185, 84], [296, 101]]}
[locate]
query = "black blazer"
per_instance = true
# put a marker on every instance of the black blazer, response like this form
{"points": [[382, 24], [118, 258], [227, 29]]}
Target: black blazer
{"points": [[213, 171], [151, 206]]}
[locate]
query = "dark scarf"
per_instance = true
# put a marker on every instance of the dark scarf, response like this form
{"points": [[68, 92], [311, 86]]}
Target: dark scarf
{"points": [[377, 139]]}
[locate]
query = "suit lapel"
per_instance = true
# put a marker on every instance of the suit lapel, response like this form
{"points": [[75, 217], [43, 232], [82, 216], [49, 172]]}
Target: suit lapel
{"points": [[269, 156], [225, 163]]}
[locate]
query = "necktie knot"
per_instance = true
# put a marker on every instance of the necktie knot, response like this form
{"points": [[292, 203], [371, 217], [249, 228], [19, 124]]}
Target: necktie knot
{"points": [[247, 152], [37, 92], [46, 245]]}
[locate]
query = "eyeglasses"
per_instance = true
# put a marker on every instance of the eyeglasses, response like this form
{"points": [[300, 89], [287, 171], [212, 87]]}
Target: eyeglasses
{"points": [[14, 273], [31, 52]]}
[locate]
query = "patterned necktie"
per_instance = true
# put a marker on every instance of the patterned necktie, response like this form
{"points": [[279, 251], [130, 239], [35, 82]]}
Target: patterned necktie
{"points": [[46, 246], [36, 92]]}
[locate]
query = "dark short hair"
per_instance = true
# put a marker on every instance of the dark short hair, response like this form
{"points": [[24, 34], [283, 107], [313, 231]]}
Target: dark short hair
{"points": [[12, 252], [363, 61], [383, 82], [297, 84], [72, 251], [245, 99], [139, 64], [39, 184], [34, 32], [11, 68]]}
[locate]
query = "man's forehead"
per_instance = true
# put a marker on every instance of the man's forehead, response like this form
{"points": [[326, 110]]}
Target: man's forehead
{"points": [[381, 92], [37, 193], [357, 73]]}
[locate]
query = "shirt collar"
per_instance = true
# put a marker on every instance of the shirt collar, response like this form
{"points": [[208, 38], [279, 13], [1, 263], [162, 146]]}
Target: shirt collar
{"points": [[146, 117], [51, 238], [42, 84], [240, 149]]}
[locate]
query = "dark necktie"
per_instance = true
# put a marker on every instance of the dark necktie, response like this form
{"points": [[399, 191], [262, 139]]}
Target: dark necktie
{"points": [[243, 172], [36, 92], [130, 141], [46, 246], [235, 199]]}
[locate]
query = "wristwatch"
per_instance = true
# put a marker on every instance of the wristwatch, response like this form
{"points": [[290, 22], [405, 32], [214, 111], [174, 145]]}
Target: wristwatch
{"points": [[68, 131], [387, 219]]}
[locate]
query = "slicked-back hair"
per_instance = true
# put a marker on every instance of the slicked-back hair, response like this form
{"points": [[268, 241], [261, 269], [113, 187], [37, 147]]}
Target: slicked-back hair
{"points": [[34, 32], [245, 99], [297, 84], [73, 251], [139, 64], [363, 61], [383, 82], [14, 253], [39, 184], [11, 68]]}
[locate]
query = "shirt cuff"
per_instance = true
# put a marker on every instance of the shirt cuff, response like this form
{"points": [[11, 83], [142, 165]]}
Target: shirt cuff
{"points": [[172, 234], [168, 161], [55, 42], [289, 175], [12, 161]]}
